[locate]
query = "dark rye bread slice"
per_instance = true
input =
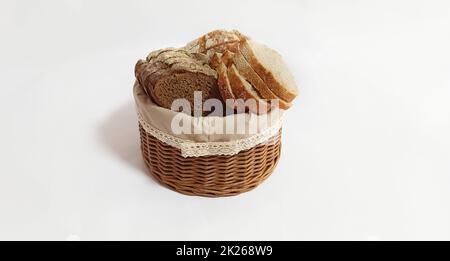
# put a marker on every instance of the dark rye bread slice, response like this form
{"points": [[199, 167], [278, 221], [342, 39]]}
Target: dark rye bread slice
{"points": [[169, 85], [143, 70], [269, 65], [245, 91], [168, 57], [171, 74], [247, 72]]}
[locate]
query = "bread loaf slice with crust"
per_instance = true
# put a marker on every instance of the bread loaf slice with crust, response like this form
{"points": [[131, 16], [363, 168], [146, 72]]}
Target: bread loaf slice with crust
{"points": [[233, 96], [143, 70], [223, 83], [169, 85], [245, 91], [170, 74], [247, 72], [269, 65]]}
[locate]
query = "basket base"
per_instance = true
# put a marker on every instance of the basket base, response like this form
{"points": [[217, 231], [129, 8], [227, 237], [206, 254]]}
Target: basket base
{"points": [[210, 176]]}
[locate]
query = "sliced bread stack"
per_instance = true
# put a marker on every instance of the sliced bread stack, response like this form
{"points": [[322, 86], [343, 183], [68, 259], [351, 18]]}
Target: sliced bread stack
{"points": [[221, 64], [246, 69], [173, 73]]}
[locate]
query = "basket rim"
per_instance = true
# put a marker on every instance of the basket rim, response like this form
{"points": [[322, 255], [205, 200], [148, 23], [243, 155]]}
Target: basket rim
{"points": [[210, 131], [191, 148]]}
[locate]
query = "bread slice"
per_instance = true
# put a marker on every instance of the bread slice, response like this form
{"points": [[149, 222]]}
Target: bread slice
{"points": [[247, 72], [223, 82], [143, 70], [244, 90], [172, 74], [175, 85], [269, 65]]}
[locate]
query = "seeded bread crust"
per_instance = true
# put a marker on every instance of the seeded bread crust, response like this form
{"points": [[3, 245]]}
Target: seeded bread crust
{"points": [[213, 39], [156, 53], [182, 59], [218, 41], [274, 72]]}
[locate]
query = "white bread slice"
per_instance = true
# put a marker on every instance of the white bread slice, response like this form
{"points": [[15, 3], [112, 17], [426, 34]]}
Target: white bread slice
{"points": [[244, 90], [251, 76], [269, 65]]}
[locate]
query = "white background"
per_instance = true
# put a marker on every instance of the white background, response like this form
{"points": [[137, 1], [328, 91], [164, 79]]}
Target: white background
{"points": [[366, 147]]}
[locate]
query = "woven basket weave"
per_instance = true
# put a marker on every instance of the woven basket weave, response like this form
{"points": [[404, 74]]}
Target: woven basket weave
{"points": [[210, 176]]}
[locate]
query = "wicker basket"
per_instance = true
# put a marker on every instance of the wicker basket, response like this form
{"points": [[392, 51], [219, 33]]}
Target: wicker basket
{"points": [[205, 165], [210, 176]]}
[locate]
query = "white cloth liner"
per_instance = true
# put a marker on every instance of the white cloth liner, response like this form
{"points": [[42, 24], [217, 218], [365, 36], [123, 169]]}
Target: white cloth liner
{"points": [[157, 121]]}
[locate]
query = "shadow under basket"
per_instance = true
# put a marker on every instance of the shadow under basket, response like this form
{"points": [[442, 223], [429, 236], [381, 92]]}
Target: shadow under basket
{"points": [[210, 176]]}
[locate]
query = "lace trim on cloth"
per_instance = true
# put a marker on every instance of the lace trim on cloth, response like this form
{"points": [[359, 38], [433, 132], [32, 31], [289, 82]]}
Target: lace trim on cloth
{"points": [[197, 149]]}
